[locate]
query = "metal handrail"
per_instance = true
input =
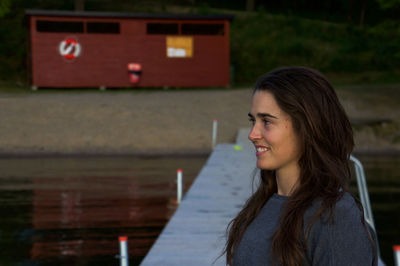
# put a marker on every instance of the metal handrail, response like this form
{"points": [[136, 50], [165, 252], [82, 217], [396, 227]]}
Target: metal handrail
{"points": [[364, 198], [363, 191]]}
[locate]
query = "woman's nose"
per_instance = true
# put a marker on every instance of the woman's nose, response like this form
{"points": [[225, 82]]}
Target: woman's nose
{"points": [[254, 134]]}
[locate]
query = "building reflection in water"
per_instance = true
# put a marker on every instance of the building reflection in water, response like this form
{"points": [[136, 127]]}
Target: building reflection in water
{"points": [[72, 210], [84, 216]]}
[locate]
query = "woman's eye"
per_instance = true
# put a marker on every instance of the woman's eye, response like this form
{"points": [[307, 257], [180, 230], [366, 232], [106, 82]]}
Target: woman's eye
{"points": [[252, 121], [266, 122]]}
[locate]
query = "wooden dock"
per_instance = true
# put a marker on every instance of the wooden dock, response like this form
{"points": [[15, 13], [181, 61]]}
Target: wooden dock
{"points": [[195, 235]]}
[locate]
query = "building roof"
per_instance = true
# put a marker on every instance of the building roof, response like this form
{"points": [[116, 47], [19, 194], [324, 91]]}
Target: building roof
{"points": [[69, 13]]}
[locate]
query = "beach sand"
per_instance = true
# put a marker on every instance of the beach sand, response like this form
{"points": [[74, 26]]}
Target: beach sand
{"points": [[141, 122]]}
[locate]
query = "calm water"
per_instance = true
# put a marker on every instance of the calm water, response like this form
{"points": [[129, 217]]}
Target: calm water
{"points": [[70, 211], [383, 178]]}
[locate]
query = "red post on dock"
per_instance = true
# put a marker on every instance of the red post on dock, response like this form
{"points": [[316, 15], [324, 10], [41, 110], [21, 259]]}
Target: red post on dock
{"points": [[123, 251], [396, 253]]}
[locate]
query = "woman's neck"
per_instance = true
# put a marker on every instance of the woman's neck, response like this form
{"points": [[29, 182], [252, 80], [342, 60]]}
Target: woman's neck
{"points": [[286, 180]]}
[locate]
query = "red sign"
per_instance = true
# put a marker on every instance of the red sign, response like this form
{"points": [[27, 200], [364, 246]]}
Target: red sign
{"points": [[70, 48], [135, 70]]}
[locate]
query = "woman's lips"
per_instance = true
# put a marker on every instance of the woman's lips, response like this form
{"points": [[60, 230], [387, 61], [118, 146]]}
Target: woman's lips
{"points": [[260, 150]]}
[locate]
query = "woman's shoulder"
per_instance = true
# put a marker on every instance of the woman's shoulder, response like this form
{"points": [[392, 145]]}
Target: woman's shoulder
{"points": [[346, 202], [346, 208], [333, 240], [344, 220]]}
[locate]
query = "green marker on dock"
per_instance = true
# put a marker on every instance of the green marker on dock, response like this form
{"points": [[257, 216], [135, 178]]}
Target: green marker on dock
{"points": [[237, 148]]}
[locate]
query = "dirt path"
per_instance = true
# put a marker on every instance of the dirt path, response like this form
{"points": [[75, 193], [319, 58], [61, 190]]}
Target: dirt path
{"points": [[140, 122]]}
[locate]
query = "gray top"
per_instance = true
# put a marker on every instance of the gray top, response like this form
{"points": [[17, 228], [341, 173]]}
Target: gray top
{"points": [[342, 242]]}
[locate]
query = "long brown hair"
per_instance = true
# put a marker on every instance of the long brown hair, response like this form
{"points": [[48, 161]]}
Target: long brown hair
{"points": [[326, 137]]}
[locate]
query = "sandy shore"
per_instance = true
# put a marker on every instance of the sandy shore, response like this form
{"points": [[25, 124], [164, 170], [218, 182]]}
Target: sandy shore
{"points": [[159, 122]]}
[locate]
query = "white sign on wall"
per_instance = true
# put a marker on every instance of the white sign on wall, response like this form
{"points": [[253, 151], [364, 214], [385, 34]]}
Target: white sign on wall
{"points": [[69, 48]]}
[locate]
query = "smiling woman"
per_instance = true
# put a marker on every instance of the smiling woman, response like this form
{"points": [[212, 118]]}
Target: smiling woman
{"points": [[275, 140], [302, 212]]}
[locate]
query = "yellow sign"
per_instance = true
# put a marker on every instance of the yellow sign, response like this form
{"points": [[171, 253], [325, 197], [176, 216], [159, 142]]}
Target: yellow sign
{"points": [[179, 46]]}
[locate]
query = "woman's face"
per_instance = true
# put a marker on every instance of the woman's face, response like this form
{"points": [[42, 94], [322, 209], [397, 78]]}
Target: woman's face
{"points": [[277, 145]]}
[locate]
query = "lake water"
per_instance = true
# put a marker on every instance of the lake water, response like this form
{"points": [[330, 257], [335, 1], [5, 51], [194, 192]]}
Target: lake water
{"points": [[71, 211], [383, 178]]}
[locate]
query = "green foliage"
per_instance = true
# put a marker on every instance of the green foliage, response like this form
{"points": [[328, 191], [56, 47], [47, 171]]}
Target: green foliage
{"points": [[386, 4], [4, 7], [263, 41], [12, 49]]}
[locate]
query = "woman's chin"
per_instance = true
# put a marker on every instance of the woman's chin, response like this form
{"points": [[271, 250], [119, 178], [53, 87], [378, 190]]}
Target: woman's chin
{"points": [[264, 166]]}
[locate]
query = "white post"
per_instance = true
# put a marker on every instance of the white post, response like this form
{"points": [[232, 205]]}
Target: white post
{"points": [[179, 186], [396, 251], [123, 251], [214, 133]]}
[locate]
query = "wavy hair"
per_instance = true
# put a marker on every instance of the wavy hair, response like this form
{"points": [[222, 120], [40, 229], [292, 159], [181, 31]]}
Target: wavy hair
{"points": [[326, 139]]}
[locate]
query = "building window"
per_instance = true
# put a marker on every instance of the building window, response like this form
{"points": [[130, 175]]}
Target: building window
{"points": [[162, 28], [202, 29], [102, 27], [59, 26]]}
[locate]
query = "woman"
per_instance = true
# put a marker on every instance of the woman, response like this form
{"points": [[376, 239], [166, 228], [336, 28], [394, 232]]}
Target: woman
{"points": [[302, 212]]}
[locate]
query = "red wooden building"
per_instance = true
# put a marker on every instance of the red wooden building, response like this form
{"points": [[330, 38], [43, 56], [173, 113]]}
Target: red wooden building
{"points": [[101, 49]]}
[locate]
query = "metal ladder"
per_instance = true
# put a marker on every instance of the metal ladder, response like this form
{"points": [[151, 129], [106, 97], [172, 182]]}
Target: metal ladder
{"points": [[364, 198]]}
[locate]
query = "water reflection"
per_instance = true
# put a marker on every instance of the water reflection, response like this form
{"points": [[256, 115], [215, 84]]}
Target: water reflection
{"points": [[70, 211]]}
